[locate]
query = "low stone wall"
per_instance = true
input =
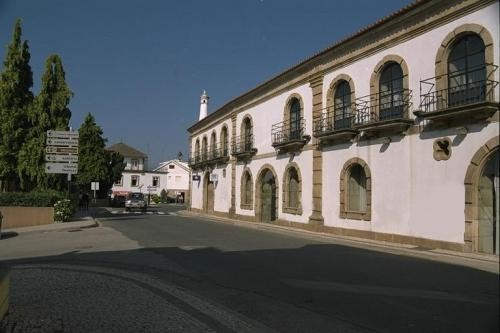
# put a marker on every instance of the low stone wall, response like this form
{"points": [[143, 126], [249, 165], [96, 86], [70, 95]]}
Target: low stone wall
{"points": [[16, 217]]}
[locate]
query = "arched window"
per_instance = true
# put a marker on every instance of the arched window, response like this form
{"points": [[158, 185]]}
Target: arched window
{"points": [[204, 149], [467, 71], [197, 151], [213, 145], [292, 191], [294, 119], [246, 191], [356, 191], [342, 106], [224, 141], [293, 188], [391, 95], [247, 134]]}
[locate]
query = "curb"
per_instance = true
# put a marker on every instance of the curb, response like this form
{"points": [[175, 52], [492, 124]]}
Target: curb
{"points": [[82, 224], [407, 249]]}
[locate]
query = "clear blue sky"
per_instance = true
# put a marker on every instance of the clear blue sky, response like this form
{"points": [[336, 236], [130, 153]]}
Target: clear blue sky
{"points": [[140, 66]]}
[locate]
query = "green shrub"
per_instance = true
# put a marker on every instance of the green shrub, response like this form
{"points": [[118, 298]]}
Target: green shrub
{"points": [[45, 198], [163, 195], [63, 210], [155, 198]]}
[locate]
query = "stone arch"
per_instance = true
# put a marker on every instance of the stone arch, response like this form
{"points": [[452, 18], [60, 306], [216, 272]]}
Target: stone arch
{"points": [[208, 194], [197, 149], [242, 126], [471, 183], [204, 147], [213, 142], [258, 190], [286, 110], [333, 86], [441, 63], [243, 188], [286, 185], [224, 140], [344, 179], [374, 79]]}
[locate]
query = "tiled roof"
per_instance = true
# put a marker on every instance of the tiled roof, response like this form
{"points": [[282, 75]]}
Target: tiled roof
{"points": [[126, 150]]}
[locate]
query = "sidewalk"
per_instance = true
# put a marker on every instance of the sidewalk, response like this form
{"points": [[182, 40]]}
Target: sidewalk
{"points": [[485, 261], [81, 219]]}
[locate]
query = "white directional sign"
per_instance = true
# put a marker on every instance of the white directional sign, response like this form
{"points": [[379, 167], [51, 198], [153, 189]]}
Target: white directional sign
{"points": [[62, 134], [62, 142], [61, 168], [151, 188], [61, 150], [61, 158]]}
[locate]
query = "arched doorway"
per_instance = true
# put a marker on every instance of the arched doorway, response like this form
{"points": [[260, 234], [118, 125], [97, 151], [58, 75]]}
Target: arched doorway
{"points": [[481, 200], [268, 196], [208, 194], [488, 205]]}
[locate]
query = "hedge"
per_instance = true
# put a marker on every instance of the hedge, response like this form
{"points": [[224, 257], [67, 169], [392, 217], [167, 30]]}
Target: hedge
{"points": [[30, 199]]}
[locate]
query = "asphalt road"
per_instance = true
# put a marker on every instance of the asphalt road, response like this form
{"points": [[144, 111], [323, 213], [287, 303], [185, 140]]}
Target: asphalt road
{"points": [[188, 274]]}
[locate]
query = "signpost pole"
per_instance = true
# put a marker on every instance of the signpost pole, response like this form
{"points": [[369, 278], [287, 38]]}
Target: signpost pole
{"points": [[69, 186]]}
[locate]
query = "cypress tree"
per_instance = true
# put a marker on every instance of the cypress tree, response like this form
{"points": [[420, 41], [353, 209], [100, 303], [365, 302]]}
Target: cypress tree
{"points": [[93, 160], [16, 82], [49, 112]]}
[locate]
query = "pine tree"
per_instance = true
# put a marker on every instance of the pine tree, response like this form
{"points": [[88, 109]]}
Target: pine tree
{"points": [[16, 82], [93, 161], [49, 112]]}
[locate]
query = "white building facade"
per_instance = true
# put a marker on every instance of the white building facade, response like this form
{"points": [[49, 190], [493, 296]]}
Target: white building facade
{"points": [[178, 175], [391, 134], [136, 177]]}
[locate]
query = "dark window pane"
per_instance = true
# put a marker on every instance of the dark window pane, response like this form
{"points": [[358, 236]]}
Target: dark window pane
{"points": [[466, 72], [357, 189]]}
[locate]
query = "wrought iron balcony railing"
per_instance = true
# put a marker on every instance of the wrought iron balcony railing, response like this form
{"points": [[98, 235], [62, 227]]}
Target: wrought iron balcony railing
{"points": [[218, 152], [288, 131], [463, 88], [383, 106], [215, 154], [333, 120], [194, 159], [242, 144]]}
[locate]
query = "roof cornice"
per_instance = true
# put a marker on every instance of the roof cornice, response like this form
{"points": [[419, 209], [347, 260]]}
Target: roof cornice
{"points": [[405, 19]]}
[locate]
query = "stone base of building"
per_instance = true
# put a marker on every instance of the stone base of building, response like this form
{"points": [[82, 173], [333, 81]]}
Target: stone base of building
{"points": [[364, 234]]}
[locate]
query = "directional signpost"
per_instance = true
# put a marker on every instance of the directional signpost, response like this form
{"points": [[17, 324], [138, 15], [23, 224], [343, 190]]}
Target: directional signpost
{"points": [[61, 153], [61, 168]]}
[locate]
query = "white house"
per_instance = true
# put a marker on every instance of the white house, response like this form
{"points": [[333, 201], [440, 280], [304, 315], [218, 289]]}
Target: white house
{"points": [[136, 177], [178, 175], [389, 134]]}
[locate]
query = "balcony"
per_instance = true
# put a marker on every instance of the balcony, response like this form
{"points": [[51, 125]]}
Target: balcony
{"points": [[288, 136], [195, 161], [468, 98], [384, 113], [335, 126], [216, 155], [242, 147]]}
